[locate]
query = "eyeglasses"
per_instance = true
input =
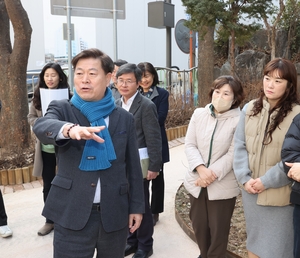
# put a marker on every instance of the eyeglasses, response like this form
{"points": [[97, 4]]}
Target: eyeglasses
{"points": [[121, 82]]}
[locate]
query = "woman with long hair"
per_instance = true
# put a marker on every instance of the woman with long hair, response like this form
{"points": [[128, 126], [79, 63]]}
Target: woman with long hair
{"points": [[51, 77], [258, 166]]}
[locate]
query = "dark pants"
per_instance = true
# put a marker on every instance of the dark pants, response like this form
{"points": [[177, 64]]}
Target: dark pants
{"points": [[158, 192], [211, 224], [82, 243], [296, 221], [142, 237], [48, 173], [3, 216]]}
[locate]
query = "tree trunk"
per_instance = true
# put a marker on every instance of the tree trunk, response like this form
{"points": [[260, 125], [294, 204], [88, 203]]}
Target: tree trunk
{"points": [[205, 64], [232, 54], [273, 43], [14, 129], [272, 30]]}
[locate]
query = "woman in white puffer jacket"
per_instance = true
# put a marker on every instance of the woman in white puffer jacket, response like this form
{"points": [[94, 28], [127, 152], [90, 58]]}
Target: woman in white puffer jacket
{"points": [[210, 179]]}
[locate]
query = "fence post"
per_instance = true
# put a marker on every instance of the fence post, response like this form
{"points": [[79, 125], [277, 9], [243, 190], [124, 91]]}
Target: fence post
{"points": [[11, 177], [4, 177], [32, 178], [26, 175], [19, 177]]}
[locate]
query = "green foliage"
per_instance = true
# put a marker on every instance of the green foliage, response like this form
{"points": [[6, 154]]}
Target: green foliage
{"points": [[291, 22], [203, 12], [244, 33], [232, 15], [256, 9], [291, 13]]}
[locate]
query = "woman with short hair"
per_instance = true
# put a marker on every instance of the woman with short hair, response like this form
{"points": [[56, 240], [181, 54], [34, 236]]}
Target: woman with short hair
{"points": [[210, 179]]}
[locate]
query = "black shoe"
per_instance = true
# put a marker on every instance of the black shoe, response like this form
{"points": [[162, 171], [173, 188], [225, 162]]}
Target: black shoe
{"points": [[129, 249], [155, 218], [142, 254]]}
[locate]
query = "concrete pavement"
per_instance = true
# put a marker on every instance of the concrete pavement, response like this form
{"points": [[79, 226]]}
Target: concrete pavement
{"points": [[24, 208]]}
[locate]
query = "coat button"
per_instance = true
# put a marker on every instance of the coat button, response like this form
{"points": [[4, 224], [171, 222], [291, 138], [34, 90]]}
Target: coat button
{"points": [[49, 133], [93, 185]]}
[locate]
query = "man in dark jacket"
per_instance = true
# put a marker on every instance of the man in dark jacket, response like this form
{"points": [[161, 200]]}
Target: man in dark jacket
{"points": [[113, 85], [149, 144], [291, 160], [97, 193]]}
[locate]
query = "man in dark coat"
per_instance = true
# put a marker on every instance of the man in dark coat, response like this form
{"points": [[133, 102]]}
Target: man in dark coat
{"points": [[113, 85], [97, 193], [149, 144]]}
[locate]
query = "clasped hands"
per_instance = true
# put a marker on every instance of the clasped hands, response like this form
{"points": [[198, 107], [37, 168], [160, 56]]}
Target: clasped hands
{"points": [[254, 186], [206, 176]]}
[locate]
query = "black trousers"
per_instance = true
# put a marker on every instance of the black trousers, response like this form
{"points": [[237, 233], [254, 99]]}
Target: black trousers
{"points": [[3, 216], [211, 223], [142, 237], [48, 174], [158, 192]]}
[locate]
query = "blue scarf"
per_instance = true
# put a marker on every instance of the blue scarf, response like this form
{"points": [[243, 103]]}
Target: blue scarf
{"points": [[96, 156]]}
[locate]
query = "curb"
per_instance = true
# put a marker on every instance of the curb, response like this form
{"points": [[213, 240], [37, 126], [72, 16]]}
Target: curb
{"points": [[190, 232]]}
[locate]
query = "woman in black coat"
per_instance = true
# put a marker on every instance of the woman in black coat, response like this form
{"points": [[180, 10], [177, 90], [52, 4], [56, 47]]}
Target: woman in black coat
{"points": [[290, 155], [160, 97]]}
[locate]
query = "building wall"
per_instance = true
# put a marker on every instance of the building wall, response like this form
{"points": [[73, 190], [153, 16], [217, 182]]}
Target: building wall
{"points": [[136, 41], [37, 50]]}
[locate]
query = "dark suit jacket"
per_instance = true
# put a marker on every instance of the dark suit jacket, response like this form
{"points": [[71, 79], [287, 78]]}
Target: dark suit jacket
{"points": [[114, 91], [160, 98], [70, 199], [147, 129]]}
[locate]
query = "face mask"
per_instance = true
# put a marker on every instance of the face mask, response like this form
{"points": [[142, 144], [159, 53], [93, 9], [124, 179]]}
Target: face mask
{"points": [[221, 105]]}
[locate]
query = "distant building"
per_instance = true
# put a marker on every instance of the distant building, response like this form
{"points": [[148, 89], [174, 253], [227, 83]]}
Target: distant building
{"points": [[49, 58]]}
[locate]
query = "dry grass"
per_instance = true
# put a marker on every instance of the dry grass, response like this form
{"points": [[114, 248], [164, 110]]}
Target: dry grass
{"points": [[251, 90], [180, 111], [18, 157]]}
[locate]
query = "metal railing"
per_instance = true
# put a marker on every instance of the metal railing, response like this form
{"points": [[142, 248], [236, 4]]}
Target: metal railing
{"points": [[180, 83]]}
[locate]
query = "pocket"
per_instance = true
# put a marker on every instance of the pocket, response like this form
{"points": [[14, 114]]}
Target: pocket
{"points": [[189, 183], [296, 187], [124, 189], [62, 182]]}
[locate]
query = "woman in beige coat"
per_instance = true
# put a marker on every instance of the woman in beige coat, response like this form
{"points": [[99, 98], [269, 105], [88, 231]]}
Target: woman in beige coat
{"points": [[51, 77], [210, 179], [258, 166]]}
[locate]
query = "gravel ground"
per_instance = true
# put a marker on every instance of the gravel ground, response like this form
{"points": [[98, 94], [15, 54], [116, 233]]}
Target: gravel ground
{"points": [[237, 235]]}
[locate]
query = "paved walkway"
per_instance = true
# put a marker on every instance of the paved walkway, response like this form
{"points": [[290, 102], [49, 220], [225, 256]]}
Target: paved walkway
{"points": [[24, 209]]}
